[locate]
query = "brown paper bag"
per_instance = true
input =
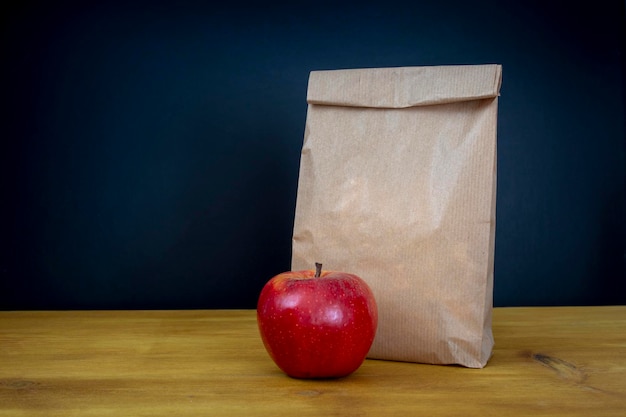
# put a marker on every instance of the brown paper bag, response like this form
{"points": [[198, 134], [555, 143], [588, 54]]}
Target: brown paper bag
{"points": [[397, 185]]}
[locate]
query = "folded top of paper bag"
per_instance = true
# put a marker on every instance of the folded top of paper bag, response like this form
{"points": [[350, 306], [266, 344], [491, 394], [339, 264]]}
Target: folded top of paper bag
{"points": [[404, 86]]}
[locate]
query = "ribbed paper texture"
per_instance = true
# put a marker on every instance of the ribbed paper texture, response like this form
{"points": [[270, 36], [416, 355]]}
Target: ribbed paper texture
{"points": [[397, 185]]}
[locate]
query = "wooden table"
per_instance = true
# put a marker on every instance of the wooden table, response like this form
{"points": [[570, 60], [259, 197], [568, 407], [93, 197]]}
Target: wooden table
{"points": [[556, 361]]}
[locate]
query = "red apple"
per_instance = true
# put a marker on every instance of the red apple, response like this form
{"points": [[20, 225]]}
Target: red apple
{"points": [[317, 324]]}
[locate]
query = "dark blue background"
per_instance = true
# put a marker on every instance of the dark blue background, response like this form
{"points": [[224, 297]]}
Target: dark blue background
{"points": [[150, 151]]}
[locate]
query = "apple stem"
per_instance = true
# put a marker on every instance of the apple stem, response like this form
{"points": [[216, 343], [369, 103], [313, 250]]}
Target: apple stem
{"points": [[318, 269]]}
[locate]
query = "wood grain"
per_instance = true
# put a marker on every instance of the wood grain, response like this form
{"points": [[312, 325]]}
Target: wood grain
{"points": [[549, 361]]}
